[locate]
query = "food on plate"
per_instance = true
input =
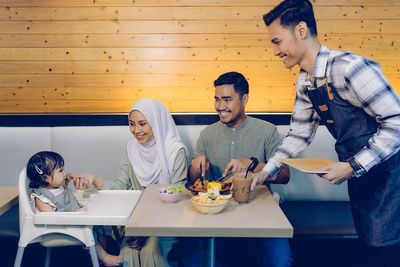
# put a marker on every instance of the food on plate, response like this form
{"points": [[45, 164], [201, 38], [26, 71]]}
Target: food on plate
{"points": [[203, 187], [211, 197], [214, 186]]}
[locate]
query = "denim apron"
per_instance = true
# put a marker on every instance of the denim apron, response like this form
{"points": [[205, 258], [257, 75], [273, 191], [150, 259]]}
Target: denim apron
{"points": [[375, 196]]}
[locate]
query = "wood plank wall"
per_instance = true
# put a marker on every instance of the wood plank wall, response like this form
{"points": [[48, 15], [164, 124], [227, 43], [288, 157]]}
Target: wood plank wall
{"points": [[99, 56]]}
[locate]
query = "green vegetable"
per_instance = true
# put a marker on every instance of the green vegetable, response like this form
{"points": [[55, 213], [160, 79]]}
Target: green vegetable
{"points": [[212, 196], [172, 189]]}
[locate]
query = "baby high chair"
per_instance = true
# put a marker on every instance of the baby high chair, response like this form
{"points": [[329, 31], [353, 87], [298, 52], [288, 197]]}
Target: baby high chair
{"points": [[48, 235]]}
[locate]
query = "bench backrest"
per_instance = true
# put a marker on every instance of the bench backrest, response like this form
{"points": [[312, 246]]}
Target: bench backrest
{"points": [[98, 150]]}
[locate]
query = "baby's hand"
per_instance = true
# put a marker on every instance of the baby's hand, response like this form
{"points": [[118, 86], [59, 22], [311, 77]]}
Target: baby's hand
{"points": [[69, 177], [83, 209]]}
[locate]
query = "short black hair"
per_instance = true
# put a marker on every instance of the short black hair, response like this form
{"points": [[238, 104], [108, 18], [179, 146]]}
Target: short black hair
{"points": [[41, 165], [291, 13], [239, 82]]}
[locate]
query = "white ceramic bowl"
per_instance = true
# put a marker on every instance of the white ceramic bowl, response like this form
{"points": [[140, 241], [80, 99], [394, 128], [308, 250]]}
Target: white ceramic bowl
{"points": [[209, 208], [169, 198]]}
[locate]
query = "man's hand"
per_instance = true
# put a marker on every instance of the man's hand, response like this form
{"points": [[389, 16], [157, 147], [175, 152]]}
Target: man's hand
{"points": [[199, 167], [338, 172], [236, 165], [258, 179]]}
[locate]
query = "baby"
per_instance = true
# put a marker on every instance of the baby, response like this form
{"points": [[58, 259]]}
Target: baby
{"points": [[49, 192]]}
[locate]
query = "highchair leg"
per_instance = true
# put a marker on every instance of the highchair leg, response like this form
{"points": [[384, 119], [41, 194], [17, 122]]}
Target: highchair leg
{"points": [[93, 255], [18, 257], [48, 255]]}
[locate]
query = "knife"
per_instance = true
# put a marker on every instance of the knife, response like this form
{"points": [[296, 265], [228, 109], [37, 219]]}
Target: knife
{"points": [[223, 178]]}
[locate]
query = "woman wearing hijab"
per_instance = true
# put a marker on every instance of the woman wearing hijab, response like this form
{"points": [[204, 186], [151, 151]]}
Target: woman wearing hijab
{"points": [[154, 154]]}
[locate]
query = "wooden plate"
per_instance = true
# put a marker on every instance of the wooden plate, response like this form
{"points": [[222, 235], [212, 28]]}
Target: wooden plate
{"points": [[308, 165]]}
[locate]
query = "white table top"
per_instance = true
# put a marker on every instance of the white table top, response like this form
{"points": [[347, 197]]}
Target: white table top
{"points": [[261, 217], [105, 207], [8, 197]]}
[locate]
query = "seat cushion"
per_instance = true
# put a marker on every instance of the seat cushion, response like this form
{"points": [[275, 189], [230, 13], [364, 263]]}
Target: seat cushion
{"points": [[320, 218]]}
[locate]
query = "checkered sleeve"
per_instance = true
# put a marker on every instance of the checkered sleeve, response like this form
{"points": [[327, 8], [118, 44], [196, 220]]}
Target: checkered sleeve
{"points": [[303, 125], [367, 83]]}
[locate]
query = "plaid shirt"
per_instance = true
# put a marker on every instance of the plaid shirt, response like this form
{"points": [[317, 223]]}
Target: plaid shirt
{"points": [[358, 80]]}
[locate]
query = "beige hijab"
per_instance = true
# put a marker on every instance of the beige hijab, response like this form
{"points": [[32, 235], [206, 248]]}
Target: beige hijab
{"points": [[153, 161]]}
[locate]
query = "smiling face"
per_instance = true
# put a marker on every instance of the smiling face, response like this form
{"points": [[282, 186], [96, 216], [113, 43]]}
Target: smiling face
{"points": [[287, 43], [56, 179], [229, 105], [140, 127]]}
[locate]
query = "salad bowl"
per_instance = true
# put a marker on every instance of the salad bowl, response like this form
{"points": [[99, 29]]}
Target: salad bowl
{"points": [[171, 193]]}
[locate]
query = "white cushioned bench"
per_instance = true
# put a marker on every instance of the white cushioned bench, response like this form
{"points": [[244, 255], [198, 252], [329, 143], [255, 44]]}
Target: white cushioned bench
{"points": [[98, 150]]}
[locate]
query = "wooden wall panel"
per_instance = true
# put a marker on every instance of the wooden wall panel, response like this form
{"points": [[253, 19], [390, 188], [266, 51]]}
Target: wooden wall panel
{"points": [[59, 56], [177, 3], [119, 13], [161, 54], [183, 67], [187, 27], [370, 41]]}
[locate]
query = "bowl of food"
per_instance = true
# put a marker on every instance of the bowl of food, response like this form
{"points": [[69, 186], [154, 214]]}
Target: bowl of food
{"points": [[209, 208], [210, 203], [171, 193]]}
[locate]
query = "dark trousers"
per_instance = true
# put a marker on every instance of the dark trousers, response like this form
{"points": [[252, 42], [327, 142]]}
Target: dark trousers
{"points": [[387, 256], [235, 251]]}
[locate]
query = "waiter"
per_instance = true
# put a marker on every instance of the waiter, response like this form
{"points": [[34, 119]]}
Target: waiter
{"points": [[349, 93]]}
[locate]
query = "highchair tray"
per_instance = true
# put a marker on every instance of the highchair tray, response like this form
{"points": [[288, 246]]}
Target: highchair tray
{"points": [[105, 207]]}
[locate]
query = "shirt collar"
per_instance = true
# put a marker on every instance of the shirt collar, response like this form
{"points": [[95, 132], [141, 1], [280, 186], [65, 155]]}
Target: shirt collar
{"points": [[320, 63], [319, 68], [243, 124], [238, 127]]}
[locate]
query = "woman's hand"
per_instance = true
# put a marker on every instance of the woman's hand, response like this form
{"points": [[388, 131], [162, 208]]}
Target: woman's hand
{"points": [[85, 180], [137, 242]]}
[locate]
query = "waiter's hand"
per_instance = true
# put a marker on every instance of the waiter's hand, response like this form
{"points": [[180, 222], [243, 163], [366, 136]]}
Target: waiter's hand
{"points": [[338, 172], [258, 179], [261, 177]]}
